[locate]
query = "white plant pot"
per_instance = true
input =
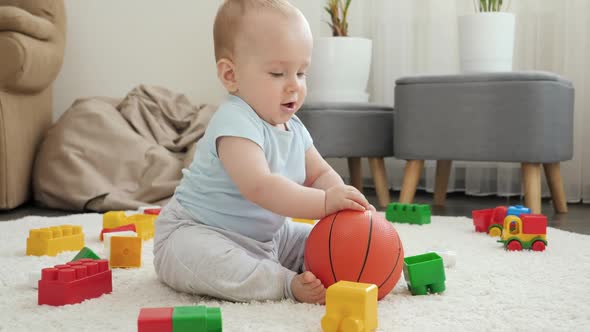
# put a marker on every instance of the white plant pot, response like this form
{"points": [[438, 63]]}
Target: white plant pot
{"points": [[339, 70], [486, 42]]}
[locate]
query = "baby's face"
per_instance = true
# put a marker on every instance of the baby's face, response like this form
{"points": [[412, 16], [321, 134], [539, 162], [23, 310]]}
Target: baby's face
{"points": [[272, 54]]}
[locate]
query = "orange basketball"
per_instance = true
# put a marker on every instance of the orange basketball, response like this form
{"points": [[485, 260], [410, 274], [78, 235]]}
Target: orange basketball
{"points": [[355, 246]]}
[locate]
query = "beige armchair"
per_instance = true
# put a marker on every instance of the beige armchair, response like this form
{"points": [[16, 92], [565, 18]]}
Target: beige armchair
{"points": [[32, 39]]}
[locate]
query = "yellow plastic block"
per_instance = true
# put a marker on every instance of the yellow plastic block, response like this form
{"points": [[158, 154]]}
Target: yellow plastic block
{"points": [[350, 307], [125, 251], [144, 225], [305, 221], [114, 219], [53, 240]]}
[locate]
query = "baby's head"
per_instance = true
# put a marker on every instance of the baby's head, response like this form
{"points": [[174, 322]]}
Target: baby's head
{"points": [[262, 50]]}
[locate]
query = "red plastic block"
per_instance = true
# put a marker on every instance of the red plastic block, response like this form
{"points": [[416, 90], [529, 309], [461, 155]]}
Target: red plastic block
{"points": [[155, 320], [534, 224], [128, 227], [75, 282], [152, 211]]}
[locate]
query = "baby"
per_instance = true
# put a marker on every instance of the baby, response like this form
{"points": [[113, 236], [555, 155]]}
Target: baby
{"points": [[224, 233]]}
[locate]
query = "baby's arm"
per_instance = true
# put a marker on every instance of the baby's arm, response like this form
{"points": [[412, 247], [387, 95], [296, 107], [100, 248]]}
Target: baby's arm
{"points": [[320, 174], [245, 163]]}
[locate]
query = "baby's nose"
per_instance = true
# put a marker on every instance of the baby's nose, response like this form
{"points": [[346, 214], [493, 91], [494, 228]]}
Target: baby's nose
{"points": [[293, 85]]}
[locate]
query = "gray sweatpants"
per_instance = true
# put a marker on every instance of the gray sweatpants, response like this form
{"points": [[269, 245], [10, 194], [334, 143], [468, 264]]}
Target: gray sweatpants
{"points": [[199, 259]]}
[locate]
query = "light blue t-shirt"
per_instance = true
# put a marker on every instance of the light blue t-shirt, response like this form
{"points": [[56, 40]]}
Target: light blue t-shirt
{"points": [[207, 191]]}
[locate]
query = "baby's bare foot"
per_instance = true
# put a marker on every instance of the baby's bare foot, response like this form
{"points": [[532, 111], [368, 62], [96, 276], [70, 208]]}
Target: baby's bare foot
{"points": [[308, 289]]}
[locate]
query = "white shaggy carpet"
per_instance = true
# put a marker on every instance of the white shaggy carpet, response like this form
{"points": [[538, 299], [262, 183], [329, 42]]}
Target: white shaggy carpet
{"points": [[488, 289]]}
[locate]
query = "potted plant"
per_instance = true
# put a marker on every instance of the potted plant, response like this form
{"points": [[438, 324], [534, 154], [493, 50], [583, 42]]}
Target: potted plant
{"points": [[340, 66], [486, 38]]}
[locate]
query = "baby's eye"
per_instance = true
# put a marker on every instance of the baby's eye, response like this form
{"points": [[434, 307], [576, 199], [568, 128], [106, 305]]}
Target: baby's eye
{"points": [[300, 75], [276, 74]]}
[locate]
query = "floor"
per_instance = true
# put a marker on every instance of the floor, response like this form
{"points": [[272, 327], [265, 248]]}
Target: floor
{"points": [[577, 220]]}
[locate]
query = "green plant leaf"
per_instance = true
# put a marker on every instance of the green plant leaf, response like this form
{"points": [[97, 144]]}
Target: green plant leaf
{"points": [[347, 5], [338, 12], [329, 12]]}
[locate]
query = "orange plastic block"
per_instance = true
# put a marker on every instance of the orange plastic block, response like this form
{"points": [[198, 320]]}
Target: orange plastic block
{"points": [[53, 240], [125, 251], [350, 307], [144, 223]]}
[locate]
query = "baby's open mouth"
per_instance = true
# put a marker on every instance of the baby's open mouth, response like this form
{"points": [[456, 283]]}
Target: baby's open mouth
{"points": [[289, 105]]}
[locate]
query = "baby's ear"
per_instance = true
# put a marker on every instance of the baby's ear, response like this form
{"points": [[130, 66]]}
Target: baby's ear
{"points": [[227, 74]]}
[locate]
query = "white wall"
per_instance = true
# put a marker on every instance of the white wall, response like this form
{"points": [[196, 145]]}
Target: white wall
{"points": [[114, 45]]}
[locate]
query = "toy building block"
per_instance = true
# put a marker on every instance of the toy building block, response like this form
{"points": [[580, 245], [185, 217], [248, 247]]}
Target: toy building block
{"points": [[114, 219], [74, 282], [424, 273], [85, 253], [196, 318], [125, 251], [128, 227], [108, 236], [152, 211], [53, 240], [304, 221], [155, 320], [350, 306], [180, 319], [418, 214], [107, 240], [148, 209], [144, 223]]}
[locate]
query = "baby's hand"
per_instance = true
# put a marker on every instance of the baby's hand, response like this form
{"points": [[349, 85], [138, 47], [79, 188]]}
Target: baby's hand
{"points": [[344, 197]]}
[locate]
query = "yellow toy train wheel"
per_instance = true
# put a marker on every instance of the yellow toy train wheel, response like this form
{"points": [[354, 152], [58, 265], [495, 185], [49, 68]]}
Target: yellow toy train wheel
{"points": [[495, 231]]}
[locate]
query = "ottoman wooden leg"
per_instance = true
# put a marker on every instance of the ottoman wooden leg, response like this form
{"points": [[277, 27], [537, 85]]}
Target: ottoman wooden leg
{"points": [[553, 175], [412, 174], [380, 178], [441, 183], [356, 173], [531, 180]]}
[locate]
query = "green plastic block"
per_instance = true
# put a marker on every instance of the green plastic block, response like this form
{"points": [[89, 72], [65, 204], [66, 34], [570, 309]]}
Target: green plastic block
{"points": [[213, 319], [85, 253], [418, 214], [424, 273], [196, 319]]}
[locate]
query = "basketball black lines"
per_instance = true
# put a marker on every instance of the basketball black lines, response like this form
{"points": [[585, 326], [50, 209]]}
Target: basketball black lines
{"points": [[368, 246], [330, 247], [396, 261]]}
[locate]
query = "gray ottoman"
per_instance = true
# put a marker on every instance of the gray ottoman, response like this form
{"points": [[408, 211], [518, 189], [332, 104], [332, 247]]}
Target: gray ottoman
{"points": [[354, 131], [524, 117]]}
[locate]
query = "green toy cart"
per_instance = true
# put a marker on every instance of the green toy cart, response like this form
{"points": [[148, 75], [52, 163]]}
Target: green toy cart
{"points": [[424, 273]]}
